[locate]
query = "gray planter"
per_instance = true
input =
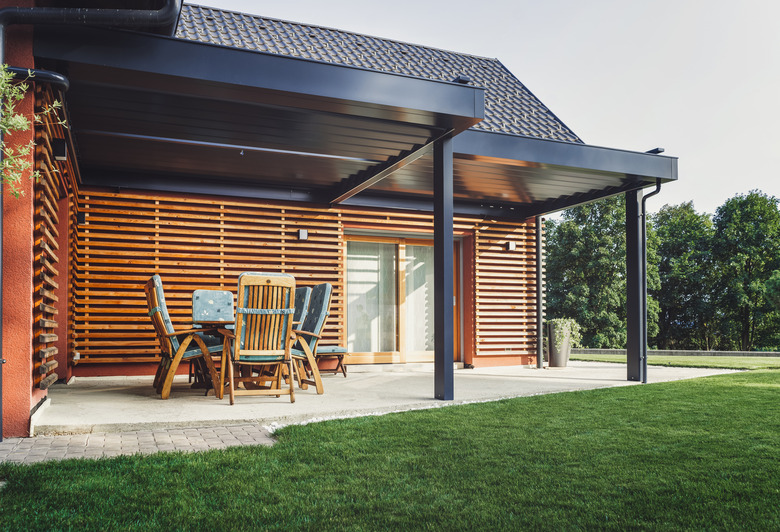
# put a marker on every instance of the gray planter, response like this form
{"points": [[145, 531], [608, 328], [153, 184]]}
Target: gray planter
{"points": [[559, 355]]}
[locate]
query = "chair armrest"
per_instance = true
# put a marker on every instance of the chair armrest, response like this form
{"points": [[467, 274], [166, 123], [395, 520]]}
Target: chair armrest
{"points": [[227, 333], [306, 333], [190, 331]]}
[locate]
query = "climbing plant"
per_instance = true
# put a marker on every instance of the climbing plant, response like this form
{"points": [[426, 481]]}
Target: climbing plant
{"points": [[16, 161]]}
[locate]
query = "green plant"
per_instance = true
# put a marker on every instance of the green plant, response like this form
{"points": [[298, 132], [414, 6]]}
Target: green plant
{"points": [[566, 327], [16, 162]]}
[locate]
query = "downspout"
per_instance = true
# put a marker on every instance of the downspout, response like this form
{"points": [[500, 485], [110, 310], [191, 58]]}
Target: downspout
{"points": [[539, 292], [167, 15], [644, 277]]}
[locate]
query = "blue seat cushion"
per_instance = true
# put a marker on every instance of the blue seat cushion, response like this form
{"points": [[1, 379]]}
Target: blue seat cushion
{"points": [[213, 344], [331, 350], [255, 359]]}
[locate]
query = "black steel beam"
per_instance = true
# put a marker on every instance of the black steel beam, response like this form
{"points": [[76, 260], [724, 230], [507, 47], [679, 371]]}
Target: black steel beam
{"points": [[359, 182], [635, 285], [443, 293], [484, 145], [364, 180], [178, 66], [538, 209]]}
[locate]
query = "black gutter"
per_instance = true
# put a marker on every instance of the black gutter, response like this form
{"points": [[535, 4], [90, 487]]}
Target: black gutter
{"points": [[539, 292], [167, 15], [40, 76], [644, 277]]}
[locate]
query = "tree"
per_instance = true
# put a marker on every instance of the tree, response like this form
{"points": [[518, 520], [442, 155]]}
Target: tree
{"points": [[746, 248], [773, 289], [687, 317], [586, 271]]}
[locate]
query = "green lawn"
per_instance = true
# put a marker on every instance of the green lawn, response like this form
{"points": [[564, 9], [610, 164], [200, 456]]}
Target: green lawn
{"points": [[725, 362], [699, 454]]}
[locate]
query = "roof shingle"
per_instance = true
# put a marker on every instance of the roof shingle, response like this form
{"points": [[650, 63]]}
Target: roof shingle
{"points": [[509, 106]]}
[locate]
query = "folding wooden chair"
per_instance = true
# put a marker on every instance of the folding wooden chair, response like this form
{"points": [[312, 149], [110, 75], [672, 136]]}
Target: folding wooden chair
{"points": [[176, 346], [308, 336], [263, 336]]}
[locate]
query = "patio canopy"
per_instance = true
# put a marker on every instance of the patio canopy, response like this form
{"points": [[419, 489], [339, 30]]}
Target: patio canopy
{"points": [[155, 112]]}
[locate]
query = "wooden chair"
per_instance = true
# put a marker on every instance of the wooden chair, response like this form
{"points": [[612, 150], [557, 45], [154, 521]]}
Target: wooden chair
{"points": [[333, 352], [176, 346], [308, 335], [263, 336]]}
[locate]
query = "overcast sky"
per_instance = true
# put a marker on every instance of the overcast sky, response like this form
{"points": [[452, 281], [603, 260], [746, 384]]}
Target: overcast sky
{"points": [[698, 78]]}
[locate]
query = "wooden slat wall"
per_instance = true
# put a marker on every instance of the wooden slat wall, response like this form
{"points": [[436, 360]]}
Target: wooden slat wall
{"points": [[193, 242], [202, 242], [47, 289], [505, 289]]}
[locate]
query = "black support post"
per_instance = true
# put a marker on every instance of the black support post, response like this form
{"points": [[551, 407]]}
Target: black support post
{"points": [[444, 374], [635, 286], [539, 292]]}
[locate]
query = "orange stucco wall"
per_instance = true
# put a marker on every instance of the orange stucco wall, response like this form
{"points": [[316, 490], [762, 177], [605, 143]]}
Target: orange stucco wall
{"points": [[18, 394]]}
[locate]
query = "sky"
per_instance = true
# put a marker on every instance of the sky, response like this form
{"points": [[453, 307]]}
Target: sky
{"points": [[700, 79]]}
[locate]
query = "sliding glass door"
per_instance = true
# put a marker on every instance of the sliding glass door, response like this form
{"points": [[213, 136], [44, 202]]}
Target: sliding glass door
{"points": [[390, 300], [418, 312], [371, 297]]}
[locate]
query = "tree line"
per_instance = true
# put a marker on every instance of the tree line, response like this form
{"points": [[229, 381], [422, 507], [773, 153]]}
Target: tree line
{"points": [[713, 281]]}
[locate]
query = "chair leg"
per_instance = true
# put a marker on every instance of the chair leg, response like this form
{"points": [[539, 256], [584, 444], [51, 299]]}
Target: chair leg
{"points": [[313, 365], [300, 369], [231, 373], [292, 386], [208, 362], [219, 391], [165, 367], [165, 392], [159, 374]]}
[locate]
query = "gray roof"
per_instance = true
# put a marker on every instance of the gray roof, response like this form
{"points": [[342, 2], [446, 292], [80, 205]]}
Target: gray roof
{"points": [[509, 106]]}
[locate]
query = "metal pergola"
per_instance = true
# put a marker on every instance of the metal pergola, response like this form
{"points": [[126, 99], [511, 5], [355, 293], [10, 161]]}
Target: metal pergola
{"points": [[159, 113]]}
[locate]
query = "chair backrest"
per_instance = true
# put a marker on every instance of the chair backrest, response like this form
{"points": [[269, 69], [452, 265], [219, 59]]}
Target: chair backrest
{"points": [[264, 312], [319, 308], [158, 311], [302, 297], [212, 305]]}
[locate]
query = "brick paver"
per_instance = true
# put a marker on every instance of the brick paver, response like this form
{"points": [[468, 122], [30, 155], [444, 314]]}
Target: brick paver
{"points": [[100, 445]]}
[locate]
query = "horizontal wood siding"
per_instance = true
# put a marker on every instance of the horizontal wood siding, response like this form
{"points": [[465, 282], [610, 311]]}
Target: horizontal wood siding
{"points": [[505, 290], [202, 242], [50, 273], [192, 243]]}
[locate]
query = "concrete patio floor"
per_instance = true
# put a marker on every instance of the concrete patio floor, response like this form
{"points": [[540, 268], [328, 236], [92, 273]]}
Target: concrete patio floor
{"points": [[120, 404]]}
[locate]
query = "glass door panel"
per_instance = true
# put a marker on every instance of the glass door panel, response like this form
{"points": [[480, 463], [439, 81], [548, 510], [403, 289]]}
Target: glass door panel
{"points": [[418, 278], [371, 297]]}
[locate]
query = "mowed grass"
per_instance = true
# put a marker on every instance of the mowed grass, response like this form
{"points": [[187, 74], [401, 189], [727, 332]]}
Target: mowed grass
{"points": [[699, 454], [703, 361]]}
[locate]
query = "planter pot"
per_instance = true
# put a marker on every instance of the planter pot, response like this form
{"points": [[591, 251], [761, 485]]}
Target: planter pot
{"points": [[559, 355]]}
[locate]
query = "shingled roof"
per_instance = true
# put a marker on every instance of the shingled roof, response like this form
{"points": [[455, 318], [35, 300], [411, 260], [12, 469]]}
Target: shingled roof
{"points": [[509, 106]]}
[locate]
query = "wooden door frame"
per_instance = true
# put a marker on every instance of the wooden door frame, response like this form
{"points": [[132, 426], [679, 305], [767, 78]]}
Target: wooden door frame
{"points": [[400, 356]]}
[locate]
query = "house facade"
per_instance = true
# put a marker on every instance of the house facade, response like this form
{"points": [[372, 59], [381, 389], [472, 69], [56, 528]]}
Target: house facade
{"points": [[212, 143]]}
